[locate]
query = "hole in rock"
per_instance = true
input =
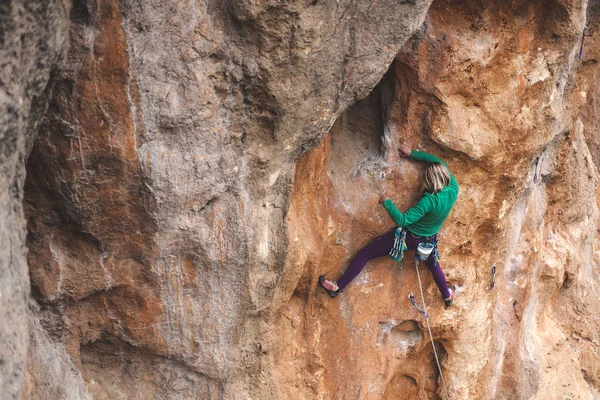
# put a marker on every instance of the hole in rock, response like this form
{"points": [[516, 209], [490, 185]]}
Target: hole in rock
{"points": [[567, 281], [417, 377], [589, 379], [442, 353], [402, 386], [406, 334], [80, 13]]}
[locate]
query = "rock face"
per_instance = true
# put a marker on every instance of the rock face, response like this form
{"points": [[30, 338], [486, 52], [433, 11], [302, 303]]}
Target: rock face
{"points": [[199, 164], [497, 91], [160, 180], [32, 40]]}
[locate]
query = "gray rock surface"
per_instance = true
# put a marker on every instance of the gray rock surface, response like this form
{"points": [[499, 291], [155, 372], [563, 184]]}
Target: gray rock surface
{"points": [[32, 39], [197, 165], [52, 374], [158, 185]]}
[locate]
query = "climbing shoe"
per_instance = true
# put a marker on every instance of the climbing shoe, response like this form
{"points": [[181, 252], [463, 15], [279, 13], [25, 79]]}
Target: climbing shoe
{"points": [[450, 299], [329, 286]]}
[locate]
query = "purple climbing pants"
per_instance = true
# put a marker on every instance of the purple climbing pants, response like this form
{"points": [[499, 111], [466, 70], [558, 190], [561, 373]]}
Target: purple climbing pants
{"points": [[380, 247]]}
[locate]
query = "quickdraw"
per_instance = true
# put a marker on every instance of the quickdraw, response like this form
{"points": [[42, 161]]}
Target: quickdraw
{"points": [[536, 174], [493, 276], [414, 303], [397, 251], [586, 32]]}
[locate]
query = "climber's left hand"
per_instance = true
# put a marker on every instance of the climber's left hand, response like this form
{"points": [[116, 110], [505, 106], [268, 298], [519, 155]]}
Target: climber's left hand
{"points": [[383, 198]]}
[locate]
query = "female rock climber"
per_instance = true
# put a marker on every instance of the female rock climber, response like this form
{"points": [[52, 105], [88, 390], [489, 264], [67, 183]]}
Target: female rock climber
{"points": [[422, 221]]}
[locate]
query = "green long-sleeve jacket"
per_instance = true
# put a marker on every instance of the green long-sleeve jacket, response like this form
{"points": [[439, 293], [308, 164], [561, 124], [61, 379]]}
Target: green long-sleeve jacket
{"points": [[427, 216]]}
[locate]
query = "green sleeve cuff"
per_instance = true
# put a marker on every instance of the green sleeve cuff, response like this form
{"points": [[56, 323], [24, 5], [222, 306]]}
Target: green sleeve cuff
{"points": [[387, 204]]}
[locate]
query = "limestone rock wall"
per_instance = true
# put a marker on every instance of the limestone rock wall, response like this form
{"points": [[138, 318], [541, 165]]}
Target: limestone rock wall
{"points": [[159, 182], [495, 89], [32, 41], [199, 164]]}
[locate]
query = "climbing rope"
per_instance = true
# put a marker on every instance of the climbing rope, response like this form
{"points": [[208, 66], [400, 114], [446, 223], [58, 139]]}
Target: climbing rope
{"points": [[424, 312]]}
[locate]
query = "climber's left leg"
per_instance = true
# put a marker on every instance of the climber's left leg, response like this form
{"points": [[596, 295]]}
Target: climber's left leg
{"points": [[379, 247]]}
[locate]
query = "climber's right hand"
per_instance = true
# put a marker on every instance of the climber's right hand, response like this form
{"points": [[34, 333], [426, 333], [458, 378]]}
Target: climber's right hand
{"points": [[404, 150]]}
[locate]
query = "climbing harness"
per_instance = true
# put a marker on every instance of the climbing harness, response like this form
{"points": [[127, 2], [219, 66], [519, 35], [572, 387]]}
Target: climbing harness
{"points": [[493, 276], [424, 312], [537, 170], [586, 32], [397, 251]]}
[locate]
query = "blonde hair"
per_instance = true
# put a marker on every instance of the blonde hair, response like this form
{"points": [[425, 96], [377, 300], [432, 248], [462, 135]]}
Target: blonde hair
{"points": [[436, 177]]}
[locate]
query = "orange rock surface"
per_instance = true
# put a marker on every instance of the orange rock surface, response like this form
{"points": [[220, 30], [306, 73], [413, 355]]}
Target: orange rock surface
{"points": [[494, 90], [197, 165]]}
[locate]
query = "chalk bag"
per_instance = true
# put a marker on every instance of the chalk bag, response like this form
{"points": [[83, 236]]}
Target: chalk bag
{"points": [[424, 250]]}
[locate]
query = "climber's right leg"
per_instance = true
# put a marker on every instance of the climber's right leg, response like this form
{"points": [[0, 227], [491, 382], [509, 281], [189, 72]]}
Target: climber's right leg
{"points": [[440, 279], [379, 247]]}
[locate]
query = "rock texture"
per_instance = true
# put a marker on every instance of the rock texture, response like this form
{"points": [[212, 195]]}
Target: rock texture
{"points": [[32, 40], [495, 89], [160, 179], [199, 164]]}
